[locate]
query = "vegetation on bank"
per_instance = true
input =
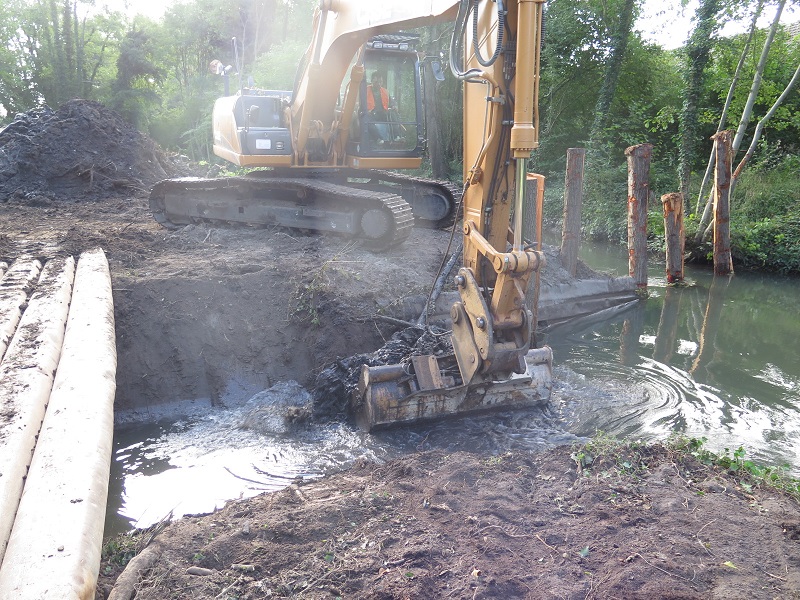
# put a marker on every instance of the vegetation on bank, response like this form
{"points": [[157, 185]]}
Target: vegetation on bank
{"points": [[603, 86], [607, 456]]}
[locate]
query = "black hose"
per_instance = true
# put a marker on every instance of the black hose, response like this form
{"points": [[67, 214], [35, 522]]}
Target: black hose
{"points": [[460, 26], [501, 21]]}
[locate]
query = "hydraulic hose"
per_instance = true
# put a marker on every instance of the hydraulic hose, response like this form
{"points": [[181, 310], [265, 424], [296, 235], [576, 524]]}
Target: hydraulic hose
{"points": [[501, 22]]}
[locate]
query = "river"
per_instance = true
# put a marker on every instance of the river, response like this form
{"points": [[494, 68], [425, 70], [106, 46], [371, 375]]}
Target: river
{"points": [[717, 359]]}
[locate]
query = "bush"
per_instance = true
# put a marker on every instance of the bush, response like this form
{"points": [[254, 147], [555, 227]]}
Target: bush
{"points": [[772, 243], [767, 192]]}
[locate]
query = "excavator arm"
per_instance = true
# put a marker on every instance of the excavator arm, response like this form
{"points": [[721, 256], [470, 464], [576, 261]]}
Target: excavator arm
{"points": [[498, 44]]}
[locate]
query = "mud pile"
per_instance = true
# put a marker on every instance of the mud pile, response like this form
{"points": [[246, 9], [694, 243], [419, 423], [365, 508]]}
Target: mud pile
{"points": [[337, 382], [82, 151]]}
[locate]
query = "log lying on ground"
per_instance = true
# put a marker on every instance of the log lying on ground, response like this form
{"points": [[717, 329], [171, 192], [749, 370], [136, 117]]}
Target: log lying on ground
{"points": [[55, 545], [15, 287], [26, 377]]}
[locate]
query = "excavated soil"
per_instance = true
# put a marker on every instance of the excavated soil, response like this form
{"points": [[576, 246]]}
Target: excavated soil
{"points": [[208, 316]]}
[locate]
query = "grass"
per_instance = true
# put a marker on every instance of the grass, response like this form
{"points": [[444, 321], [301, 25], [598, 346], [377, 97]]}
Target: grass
{"points": [[605, 457]]}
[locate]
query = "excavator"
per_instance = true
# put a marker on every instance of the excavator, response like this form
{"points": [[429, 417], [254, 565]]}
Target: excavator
{"points": [[326, 154], [326, 145]]}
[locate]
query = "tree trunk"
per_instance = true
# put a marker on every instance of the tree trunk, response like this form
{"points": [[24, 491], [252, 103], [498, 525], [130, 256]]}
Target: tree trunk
{"points": [[619, 46], [673, 235], [532, 227], [723, 264], [58, 55], [698, 51], [439, 167], [573, 198]]}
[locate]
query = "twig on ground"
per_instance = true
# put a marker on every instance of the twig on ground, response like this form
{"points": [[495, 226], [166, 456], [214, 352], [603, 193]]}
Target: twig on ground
{"points": [[444, 272], [662, 570], [511, 535], [389, 320], [552, 548]]}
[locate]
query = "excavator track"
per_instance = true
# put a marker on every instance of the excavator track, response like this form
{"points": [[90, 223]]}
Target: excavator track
{"points": [[435, 203], [381, 217]]}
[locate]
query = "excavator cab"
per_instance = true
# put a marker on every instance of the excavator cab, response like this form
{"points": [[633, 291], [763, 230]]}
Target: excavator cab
{"points": [[388, 119]]}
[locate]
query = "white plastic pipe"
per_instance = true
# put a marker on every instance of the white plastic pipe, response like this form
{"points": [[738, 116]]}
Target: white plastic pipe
{"points": [[15, 287], [55, 545], [26, 377]]}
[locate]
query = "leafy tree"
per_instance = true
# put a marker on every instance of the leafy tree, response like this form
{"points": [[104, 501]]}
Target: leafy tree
{"points": [[17, 93], [697, 54], [611, 74], [137, 77], [55, 51]]}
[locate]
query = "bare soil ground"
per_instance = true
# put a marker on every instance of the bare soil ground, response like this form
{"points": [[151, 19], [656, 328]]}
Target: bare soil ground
{"points": [[211, 313]]}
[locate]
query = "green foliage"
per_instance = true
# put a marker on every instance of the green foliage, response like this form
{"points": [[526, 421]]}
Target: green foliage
{"points": [[770, 188], [276, 69], [120, 550], [749, 473], [137, 76], [765, 216], [784, 126], [771, 243], [605, 197], [606, 457]]}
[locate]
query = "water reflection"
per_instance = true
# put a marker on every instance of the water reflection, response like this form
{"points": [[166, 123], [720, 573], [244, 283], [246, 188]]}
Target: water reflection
{"points": [[716, 359]]}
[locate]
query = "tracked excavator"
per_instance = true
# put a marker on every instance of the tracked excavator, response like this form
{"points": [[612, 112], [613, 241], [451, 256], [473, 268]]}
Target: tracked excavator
{"points": [[326, 154], [327, 145]]}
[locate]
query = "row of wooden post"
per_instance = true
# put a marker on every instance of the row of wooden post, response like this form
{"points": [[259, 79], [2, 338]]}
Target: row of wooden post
{"points": [[638, 193]]}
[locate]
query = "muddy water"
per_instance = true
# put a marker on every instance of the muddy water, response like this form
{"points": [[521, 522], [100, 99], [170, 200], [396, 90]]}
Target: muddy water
{"points": [[717, 359]]}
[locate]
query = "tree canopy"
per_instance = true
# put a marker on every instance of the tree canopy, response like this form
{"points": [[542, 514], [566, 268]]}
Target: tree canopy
{"points": [[602, 83]]}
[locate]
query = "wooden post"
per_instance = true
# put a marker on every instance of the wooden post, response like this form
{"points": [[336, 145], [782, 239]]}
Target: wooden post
{"points": [[573, 200], [674, 236], [723, 262], [638, 192], [532, 229]]}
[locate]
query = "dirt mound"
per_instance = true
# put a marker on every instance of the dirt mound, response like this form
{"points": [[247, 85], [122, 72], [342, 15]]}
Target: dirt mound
{"points": [[82, 151]]}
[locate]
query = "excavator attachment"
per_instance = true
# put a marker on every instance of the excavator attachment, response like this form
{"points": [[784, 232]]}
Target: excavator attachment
{"points": [[429, 387]]}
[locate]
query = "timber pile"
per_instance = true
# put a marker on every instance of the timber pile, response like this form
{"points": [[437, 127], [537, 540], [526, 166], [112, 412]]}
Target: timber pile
{"points": [[57, 385]]}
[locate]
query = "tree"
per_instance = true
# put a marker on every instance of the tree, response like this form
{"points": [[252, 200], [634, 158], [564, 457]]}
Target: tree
{"points": [[137, 76], [723, 119], [760, 127], [54, 51], [619, 45], [697, 53], [747, 111], [17, 92]]}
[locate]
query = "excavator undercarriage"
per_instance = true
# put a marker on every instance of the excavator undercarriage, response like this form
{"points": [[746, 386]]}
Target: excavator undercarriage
{"points": [[376, 206]]}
